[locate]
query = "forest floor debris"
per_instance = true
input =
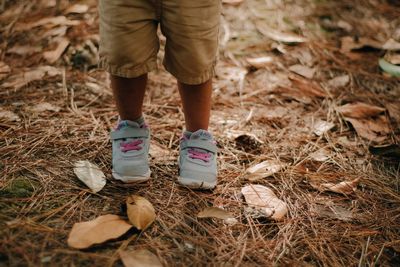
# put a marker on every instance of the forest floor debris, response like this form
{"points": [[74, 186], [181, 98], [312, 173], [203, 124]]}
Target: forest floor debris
{"points": [[298, 83]]}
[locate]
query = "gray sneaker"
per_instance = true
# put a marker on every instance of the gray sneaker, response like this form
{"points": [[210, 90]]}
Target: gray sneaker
{"points": [[130, 149], [198, 160]]}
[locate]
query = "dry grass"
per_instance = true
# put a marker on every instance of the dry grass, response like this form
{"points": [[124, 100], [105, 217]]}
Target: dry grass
{"points": [[40, 198]]}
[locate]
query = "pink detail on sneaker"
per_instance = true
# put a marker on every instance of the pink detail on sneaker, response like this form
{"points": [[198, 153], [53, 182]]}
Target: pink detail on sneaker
{"points": [[132, 145], [204, 156]]}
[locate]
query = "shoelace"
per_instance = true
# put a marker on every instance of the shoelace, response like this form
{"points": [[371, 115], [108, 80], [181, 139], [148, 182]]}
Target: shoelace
{"points": [[204, 156], [132, 145]]}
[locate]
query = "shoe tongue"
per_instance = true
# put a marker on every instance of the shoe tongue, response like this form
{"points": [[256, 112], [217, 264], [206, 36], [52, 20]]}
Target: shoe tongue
{"points": [[201, 135], [125, 123]]}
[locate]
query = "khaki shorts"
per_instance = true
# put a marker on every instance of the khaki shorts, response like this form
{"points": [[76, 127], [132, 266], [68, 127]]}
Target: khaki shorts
{"points": [[129, 42]]}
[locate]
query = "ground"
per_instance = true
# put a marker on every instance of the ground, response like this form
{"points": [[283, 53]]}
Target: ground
{"points": [[55, 115]]}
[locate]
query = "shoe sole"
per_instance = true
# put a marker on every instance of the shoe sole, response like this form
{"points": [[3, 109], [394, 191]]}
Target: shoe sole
{"points": [[195, 184], [132, 179]]}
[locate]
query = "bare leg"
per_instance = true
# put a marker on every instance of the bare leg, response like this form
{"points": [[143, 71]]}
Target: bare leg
{"points": [[129, 95], [196, 100]]}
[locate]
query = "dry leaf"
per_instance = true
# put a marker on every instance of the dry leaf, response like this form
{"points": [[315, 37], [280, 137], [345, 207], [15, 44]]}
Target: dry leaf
{"points": [[54, 55], [263, 199], [339, 81], [366, 120], [8, 115], [4, 70], [21, 79], [320, 155], [393, 58], [264, 169], [77, 8], [57, 31], [215, 212], [97, 231], [41, 107], [47, 22], [139, 258], [23, 50], [359, 110], [373, 130], [90, 175], [259, 62], [232, 2], [140, 212], [391, 45], [279, 36], [344, 25], [350, 43], [321, 127], [345, 188], [303, 70]]}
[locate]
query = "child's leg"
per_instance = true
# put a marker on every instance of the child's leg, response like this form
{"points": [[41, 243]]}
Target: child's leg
{"points": [[196, 100], [129, 94]]}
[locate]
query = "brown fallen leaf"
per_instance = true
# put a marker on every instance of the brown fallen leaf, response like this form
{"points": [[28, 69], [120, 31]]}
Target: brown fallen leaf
{"points": [[42, 107], [54, 55], [373, 130], [359, 110], [259, 62], [56, 31], [302, 70], [21, 79], [264, 201], [320, 155], [321, 127], [393, 58], [139, 258], [393, 109], [97, 231], [345, 188], [24, 50], [349, 43], [77, 8], [4, 70], [339, 81], [279, 36], [8, 115], [215, 212], [232, 2], [140, 212], [391, 45], [264, 169], [48, 22]]}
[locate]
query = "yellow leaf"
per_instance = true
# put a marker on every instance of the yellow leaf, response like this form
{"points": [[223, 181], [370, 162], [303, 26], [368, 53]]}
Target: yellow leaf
{"points": [[140, 211], [139, 258], [97, 231]]}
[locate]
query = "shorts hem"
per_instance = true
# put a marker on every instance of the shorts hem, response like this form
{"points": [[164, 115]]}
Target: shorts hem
{"points": [[125, 72], [193, 80]]}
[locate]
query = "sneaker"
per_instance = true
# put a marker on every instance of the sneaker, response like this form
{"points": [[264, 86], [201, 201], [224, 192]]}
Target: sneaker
{"points": [[130, 149], [198, 160]]}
